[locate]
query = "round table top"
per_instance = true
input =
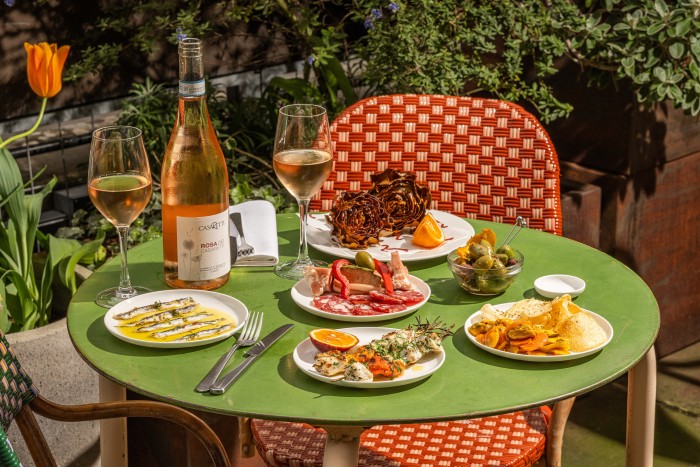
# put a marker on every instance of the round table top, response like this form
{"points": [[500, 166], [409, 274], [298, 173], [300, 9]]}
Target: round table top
{"points": [[471, 383]]}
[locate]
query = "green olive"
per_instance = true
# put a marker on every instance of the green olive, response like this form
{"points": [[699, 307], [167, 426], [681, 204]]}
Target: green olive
{"points": [[484, 262], [498, 269], [506, 250], [493, 285], [364, 260], [503, 258], [477, 250], [486, 244]]}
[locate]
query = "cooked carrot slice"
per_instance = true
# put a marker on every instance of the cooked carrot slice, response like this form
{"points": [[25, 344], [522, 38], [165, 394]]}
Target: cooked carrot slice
{"points": [[519, 342], [537, 342]]}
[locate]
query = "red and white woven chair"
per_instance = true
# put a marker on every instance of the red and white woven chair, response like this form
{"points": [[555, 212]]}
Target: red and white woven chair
{"points": [[481, 158]]}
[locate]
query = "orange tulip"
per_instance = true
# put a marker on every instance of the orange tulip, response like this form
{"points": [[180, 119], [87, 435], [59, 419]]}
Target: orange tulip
{"points": [[44, 67]]}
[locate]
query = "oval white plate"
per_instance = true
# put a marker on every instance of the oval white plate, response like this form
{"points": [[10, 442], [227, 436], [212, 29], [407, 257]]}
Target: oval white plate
{"points": [[607, 328], [229, 305], [305, 352], [556, 285], [455, 229], [302, 296]]}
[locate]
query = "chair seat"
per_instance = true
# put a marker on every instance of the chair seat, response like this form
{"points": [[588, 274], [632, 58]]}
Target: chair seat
{"points": [[516, 439]]}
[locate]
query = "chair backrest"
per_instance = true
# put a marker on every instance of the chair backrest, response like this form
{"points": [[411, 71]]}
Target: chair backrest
{"points": [[16, 389], [481, 158]]}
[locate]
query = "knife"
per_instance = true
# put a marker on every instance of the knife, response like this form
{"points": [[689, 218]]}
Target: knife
{"points": [[220, 386]]}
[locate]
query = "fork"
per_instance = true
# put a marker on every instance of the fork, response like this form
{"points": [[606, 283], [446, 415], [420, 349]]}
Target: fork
{"points": [[244, 249], [249, 336]]}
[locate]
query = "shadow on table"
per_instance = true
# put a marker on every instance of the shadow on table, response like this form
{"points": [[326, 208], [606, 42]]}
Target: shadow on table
{"points": [[470, 350], [98, 336]]}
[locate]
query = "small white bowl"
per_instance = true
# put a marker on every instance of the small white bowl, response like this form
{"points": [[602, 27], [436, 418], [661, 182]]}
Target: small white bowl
{"points": [[556, 285]]}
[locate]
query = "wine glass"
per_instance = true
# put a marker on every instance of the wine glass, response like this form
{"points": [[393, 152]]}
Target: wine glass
{"points": [[302, 161], [119, 185]]}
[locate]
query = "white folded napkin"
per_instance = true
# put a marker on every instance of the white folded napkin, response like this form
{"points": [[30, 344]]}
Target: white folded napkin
{"points": [[260, 231]]}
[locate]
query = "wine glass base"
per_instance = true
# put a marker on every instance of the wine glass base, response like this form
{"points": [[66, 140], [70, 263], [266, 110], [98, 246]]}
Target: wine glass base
{"points": [[295, 269], [110, 297]]}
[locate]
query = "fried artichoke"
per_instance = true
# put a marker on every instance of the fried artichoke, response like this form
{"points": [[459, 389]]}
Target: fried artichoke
{"points": [[404, 200], [358, 220]]}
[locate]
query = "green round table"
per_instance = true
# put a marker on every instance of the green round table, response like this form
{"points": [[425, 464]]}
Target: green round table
{"points": [[471, 383]]}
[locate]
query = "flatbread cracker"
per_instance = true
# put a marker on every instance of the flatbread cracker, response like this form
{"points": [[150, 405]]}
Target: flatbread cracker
{"points": [[560, 315], [582, 331]]}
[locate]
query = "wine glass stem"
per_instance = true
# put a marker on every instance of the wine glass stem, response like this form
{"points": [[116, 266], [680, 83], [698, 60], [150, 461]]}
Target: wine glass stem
{"points": [[303, 246], [124, 281]]}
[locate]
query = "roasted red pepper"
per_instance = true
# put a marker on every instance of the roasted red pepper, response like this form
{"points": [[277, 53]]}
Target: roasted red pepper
{"points": [[337, 275], [383, 271]]}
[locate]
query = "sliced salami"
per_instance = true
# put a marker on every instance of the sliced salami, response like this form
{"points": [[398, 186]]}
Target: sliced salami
{"points": [[384, 298], [409, 297], [333, 304], [387, 307], [359, 298], [364, 309]]}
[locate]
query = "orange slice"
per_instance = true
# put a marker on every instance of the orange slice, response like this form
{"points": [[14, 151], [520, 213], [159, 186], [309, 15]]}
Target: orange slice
{"points": [[332, 339], [428, 234]]}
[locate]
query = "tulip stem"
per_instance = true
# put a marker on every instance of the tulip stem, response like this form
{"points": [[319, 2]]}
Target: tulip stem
{"points": [[32, 129]]}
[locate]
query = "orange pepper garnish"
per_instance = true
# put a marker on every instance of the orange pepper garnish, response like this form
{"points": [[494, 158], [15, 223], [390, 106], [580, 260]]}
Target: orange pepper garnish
{"points": [[44, 67]]}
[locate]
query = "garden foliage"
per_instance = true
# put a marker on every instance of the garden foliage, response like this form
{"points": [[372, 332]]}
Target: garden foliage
{"points": [[25, 285], [346, 49]]}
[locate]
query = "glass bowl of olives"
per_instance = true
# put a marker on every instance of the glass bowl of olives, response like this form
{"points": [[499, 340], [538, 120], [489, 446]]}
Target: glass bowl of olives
{"points": [[481, 270]]}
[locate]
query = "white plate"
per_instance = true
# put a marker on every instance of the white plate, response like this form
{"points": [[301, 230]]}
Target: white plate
{"points": [[455, 229], [302, 296], [476, 317], [556, 285], [305, 352], [229, 305]]}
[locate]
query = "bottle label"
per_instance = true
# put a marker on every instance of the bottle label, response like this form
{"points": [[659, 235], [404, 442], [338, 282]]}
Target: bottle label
{"points": [[203, 250], [192, 88]]}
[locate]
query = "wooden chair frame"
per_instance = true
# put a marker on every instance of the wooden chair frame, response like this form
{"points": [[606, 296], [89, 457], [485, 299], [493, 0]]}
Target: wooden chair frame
{"points": [[41, 453]]}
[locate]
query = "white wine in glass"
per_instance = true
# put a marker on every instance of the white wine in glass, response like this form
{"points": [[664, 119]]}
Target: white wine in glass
{"points": [[302, 161], [119, 185]]}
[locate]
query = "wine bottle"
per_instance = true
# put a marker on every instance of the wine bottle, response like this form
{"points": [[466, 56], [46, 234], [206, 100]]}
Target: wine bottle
{"points": [[194, 187]]}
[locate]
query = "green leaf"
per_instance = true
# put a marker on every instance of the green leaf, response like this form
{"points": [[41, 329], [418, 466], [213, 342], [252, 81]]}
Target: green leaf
{"points": [[683, 27], [66, 270], [24, 309], [677, 50], [660, 73], [10, 179], [344, 84], [4, 312], [654, 28], [298, 88], [60, 248], [45, 295], [628, 64], [675, 92], [661, 7]]}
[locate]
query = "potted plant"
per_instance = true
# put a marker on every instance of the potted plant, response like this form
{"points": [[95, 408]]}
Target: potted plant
{"points": [[26, 279]]}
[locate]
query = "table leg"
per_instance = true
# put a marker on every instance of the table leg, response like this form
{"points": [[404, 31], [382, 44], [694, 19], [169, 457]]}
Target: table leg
{"points": [[342, 446], [113, 450], [641, 410]]}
